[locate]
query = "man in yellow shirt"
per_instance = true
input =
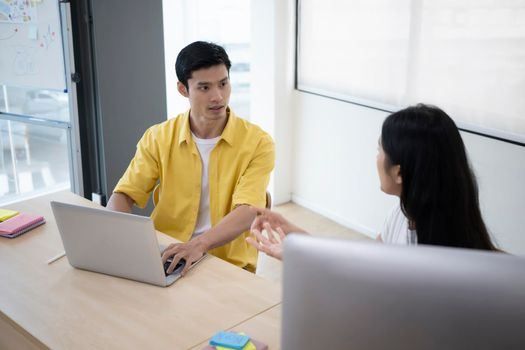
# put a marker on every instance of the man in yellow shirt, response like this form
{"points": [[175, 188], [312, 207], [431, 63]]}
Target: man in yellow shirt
{"points": [[210, 164]]}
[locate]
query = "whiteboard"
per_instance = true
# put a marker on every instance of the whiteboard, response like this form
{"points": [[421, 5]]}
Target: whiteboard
{"points": [[31, 53]]}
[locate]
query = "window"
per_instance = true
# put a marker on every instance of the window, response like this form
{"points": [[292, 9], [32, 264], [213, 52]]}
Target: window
{"points": [[468, 57], [34, 153], [225, 22]]}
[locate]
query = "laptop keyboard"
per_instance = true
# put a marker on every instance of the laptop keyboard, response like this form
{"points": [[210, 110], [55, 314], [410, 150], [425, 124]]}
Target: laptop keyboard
{"points": [[178, 267]]}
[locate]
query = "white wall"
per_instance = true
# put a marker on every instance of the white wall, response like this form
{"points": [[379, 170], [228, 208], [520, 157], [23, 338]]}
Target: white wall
{"points": [[500, 169], [332, 145], [334, 163]]}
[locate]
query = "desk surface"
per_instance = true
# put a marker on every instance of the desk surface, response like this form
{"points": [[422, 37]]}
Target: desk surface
{"points": [[60, 307]]}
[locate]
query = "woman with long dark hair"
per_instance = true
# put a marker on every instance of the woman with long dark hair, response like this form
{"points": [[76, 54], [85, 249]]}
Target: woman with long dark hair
{"points": [[438, 191], [422, 160]]}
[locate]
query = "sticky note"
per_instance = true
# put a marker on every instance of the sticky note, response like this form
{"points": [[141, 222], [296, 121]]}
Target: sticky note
{"points": [[249, 346], [6, 214], [229, 340]]}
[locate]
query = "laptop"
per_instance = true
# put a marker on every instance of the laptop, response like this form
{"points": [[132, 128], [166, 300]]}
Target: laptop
{"points": [[113, 243], [360, 295]]}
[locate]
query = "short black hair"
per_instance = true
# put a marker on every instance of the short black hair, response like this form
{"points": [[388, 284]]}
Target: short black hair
{"points": [[197, 55]]}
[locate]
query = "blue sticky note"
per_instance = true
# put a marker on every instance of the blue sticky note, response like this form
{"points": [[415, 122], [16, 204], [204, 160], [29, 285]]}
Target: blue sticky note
{"points": [[230, 340]]}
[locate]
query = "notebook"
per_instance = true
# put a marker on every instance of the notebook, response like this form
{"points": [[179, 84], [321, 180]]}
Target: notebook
{"points": [[7, 214], [19, 224]]}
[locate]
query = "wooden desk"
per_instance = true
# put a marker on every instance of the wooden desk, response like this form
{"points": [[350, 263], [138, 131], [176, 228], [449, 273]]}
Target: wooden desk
{"points": [[60, 307], [265, 327]]}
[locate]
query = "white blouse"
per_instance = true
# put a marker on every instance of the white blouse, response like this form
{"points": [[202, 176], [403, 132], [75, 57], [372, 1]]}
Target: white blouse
{"points": [[395, 229]]}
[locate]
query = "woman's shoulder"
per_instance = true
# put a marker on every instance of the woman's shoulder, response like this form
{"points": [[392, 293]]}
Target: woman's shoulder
{"points": [[395, 213], [396, 226]]}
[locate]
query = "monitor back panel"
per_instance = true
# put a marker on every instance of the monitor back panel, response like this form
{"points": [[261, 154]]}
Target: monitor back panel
{"points": [[364, 295]]}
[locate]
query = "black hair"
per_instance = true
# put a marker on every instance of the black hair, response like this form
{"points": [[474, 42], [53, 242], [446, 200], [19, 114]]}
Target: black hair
{"points": [[197, 55], [439, 194]]}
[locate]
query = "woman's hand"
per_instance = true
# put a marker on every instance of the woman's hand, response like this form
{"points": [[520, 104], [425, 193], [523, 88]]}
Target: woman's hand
{"points": [[274, 220], [271, 245], [274, 224]]}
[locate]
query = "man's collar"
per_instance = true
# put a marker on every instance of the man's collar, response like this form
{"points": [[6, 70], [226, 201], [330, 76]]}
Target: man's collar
{"points": [[228, 134], [184, 132]]}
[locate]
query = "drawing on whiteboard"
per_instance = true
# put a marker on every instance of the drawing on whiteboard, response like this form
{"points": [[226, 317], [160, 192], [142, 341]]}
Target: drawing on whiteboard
{"points": [[48, 37], [33, 56], [17, 11], [24, 61]]}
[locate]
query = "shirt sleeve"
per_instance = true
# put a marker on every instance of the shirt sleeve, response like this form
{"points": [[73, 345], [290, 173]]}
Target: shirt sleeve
{"points": [[143, 171], [251, 188]]}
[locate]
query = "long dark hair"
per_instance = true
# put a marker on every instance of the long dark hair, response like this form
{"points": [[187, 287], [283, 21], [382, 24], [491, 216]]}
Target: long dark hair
{"points": [[439, 193]]}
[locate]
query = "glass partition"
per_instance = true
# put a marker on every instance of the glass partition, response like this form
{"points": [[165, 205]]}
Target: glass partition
{"points": [[44, 104], [33, 159]]}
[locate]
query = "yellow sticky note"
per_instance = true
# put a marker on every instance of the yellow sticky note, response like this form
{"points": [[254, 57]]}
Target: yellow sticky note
{"points": [[6, 214], [248, 346]]}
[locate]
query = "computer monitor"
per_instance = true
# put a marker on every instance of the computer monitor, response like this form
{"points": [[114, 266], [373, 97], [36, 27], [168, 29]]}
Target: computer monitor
{"points": [[365, 295]]}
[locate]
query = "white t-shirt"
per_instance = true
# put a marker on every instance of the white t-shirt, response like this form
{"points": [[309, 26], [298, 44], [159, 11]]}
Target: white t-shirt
{"points": [[205, 146], [396, 231]]}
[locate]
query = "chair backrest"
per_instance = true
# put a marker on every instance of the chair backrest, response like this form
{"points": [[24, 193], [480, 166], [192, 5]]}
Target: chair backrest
{"points": [[268, 200], [156, 195]]}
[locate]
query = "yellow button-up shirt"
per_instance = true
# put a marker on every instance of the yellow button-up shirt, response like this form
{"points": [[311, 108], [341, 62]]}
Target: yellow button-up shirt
{"points": [[239, 170]]}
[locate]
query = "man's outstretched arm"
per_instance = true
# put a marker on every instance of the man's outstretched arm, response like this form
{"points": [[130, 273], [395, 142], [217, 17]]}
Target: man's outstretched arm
{"points": [[229, 228]]}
